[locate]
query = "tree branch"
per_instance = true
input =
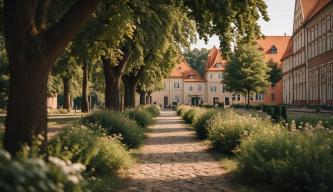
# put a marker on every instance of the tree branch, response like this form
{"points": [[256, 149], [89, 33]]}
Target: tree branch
{"points": [[41, 15], [60, 34]]}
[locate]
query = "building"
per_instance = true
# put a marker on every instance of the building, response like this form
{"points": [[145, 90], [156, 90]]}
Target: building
{"points": [[308, 62], [215, 89], [185, 86], [273, 48]]}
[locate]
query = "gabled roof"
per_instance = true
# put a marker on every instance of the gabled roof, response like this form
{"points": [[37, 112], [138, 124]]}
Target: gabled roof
{"points": [[214, 57], [320, 4], [268, 42], [289, 50], [185, 71], [310, 8]]}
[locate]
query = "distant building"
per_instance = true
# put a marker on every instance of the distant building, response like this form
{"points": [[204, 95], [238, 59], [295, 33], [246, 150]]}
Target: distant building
{"points": [[308, 61], [273, 48], [52, 102]]}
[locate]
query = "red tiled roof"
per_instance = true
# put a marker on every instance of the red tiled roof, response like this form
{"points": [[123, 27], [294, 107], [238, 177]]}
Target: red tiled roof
{"points": [[184, 70], [280, 42], [289, 50], [214, 57], [320, 4]]}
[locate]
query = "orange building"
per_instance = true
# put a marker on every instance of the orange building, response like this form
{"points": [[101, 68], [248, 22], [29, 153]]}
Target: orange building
{"points": [[274, 48]]}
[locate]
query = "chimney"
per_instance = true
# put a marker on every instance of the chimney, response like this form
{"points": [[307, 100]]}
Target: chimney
{"points": [[285, 34]]}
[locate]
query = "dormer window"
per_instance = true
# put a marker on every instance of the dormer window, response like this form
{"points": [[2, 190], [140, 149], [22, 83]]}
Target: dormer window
{"points": [[273, 50], [218, 65]]}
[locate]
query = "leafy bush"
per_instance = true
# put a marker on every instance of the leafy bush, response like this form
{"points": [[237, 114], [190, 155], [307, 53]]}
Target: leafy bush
{"points": [[142, 117], [100, 154], [191, 115], [227, 130], [200, 125], [33, 174], [299, 161], [117, 123], [154, 110], [182, 109]]}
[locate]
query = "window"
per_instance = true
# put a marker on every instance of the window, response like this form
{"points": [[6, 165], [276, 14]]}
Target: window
{"points": [[190, 76], [213, 88], [199, 87], [190, 88], [224, 88], [238, 97], [176, 85], [233, 97], [273, 50], [218, 65], [220, 76], [273, 97], [210, 76], [177, 99]]}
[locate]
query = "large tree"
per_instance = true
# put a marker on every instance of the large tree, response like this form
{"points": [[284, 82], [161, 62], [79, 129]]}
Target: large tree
{"points": [[166, 30], [247, 71], [33, 44]]}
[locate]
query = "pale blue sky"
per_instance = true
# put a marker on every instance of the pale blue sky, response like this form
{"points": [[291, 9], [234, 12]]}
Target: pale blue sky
{"points": [[281, 21]]}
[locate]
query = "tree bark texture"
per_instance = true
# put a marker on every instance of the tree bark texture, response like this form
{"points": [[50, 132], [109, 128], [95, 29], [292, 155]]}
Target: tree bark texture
{"points": [[84, 101], [130, 84], [32, 50], [113, 76], [142, 98], [67, 97]]}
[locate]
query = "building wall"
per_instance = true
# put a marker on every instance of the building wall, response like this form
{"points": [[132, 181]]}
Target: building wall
{"points": [[320, 57], [52, 102], [194, 89], [308, 77]]}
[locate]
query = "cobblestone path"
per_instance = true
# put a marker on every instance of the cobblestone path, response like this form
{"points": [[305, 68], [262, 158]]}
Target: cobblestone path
{"points": [[173, 160]]}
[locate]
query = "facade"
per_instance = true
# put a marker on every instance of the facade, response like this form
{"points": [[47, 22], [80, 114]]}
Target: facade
{"points": [[273, 48], [308, 62], [215, 90], [185, 86]]}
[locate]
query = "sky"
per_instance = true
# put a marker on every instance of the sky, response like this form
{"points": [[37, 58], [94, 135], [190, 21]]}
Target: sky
{"points": [[281, 13]]}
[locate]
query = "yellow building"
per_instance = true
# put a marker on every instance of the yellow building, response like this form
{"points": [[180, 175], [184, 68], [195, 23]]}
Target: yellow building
{"points": [[186, 86]]}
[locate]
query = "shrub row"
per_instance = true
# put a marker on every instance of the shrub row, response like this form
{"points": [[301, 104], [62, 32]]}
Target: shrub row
{"points": [[290, 158], [82, 157], [116, 123]]}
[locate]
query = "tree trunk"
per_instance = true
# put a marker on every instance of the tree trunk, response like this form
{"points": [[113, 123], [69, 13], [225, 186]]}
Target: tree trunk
{"points": [[84, 101], [67, 87], [130, 84], [248, 97], [113, 75], [149, 98], [32, 50], [142, 98]]}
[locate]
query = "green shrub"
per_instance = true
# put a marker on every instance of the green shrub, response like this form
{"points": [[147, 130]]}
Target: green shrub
{"points": [[34, 174], [142, 117], [154, 110], [182, 109], [200, 125], [227, 130], [100, 154], [191, 115], [117, 123], [291, 160]]}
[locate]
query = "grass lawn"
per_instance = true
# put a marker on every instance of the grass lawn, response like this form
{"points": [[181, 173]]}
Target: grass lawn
{"points": [[298, 117]]}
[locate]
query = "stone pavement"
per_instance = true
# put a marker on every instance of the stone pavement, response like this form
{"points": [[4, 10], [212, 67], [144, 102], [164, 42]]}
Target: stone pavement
{"points": [[173, 160]]}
